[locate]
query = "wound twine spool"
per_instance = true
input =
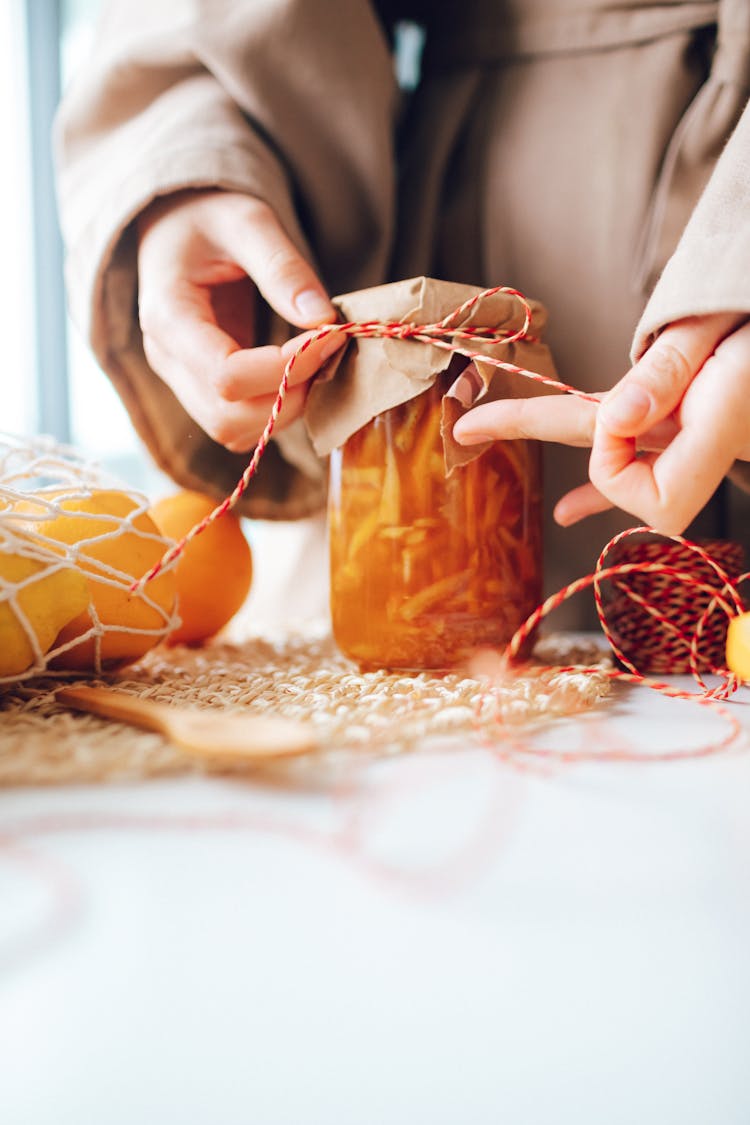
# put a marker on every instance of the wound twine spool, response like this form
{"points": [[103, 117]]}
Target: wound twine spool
{"points": [[675, 597], [652, 618]]}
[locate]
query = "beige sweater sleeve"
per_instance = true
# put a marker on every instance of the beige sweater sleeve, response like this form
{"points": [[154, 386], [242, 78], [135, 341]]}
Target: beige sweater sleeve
{"points": [[709, 270], [292, 101]]}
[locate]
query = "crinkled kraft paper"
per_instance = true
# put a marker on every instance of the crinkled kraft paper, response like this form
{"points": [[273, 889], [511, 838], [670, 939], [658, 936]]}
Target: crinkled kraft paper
{"points": [[371, 375]]}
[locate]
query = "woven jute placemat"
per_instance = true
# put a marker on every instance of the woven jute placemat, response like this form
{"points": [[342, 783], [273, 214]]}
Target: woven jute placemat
{"points": [[300, 675]]}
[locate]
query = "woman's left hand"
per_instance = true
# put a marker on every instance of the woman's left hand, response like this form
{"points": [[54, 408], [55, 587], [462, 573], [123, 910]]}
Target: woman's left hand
{"points": [[662, 439]]}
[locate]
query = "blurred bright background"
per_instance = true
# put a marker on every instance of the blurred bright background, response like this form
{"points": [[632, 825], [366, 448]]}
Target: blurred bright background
{"points": [[50, 383]]}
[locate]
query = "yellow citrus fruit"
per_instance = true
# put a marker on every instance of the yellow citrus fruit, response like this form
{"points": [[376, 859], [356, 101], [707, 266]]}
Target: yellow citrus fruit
{"points": [[46, 594], [738, 646], [111, 554], [215, 570]]}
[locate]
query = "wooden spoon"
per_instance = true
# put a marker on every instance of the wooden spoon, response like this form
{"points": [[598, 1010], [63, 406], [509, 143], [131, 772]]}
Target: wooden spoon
{"points": [[228, 738]]}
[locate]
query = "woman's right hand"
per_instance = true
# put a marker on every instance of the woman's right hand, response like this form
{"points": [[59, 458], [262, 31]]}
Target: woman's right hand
{"points": [[203, 256]]}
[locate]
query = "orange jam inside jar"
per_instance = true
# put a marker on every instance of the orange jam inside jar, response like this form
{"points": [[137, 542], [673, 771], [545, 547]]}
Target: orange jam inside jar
{"points": [[426, 568]]}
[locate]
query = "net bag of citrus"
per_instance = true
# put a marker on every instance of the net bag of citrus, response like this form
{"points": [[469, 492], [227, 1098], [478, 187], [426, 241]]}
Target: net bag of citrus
{"points": [[435, 548], [72, 543]]}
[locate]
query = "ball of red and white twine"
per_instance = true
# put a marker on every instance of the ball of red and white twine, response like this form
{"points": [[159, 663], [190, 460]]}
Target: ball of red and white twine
{"points": [[672, 598]]}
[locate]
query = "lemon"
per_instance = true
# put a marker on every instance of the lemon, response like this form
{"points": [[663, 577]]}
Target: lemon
{"points": [[113, 544], [46, 594], [738, 646]]}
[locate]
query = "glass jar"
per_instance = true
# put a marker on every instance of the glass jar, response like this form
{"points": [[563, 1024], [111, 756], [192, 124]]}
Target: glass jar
{"points": [[426, 568]]}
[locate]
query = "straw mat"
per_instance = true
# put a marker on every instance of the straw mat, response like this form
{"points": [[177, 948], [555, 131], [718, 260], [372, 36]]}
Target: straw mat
{"points": [[300, 675]]}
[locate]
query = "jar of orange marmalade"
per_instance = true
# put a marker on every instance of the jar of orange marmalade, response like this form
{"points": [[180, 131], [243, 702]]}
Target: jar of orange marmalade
{"points": [[428, 567]]}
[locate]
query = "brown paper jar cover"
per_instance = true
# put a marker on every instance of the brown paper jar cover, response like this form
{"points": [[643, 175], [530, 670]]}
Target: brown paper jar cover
{"points": [[370, 375]]}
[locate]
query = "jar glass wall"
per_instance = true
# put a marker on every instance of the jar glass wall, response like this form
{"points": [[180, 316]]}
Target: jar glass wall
{"points": [[426, 568]]}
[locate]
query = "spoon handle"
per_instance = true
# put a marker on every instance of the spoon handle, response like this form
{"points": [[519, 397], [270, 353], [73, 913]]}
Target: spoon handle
{"points": [[115, 705], [214, 735]]}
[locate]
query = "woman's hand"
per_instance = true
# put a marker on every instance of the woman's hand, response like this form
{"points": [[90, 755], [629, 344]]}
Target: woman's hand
{"points": [[203, 256], [662, 439]]}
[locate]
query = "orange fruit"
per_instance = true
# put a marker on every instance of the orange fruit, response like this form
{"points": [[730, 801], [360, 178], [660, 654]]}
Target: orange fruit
{"points": [[215, 570], [111, 554]]}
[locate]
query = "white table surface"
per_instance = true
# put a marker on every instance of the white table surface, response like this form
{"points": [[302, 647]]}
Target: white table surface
{"points": [[453, 939]]}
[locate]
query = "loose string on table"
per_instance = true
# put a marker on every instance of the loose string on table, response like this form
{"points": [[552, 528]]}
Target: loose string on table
{"points": [[723, 595]]}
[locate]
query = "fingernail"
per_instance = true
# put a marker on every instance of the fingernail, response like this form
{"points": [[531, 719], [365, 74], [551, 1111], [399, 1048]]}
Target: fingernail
{"points": [[471, 437], [312, 306], [626, 407]]}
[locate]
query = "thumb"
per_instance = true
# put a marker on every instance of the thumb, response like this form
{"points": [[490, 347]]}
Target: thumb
{"points": [[261, 246], [656, 385]]}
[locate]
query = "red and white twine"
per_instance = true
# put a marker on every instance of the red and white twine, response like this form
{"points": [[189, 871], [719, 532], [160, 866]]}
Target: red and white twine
{"points": [[720, 590]]}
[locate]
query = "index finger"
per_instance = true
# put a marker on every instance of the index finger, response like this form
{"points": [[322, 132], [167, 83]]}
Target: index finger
{"points": [[183, 321], [256, 371]]}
